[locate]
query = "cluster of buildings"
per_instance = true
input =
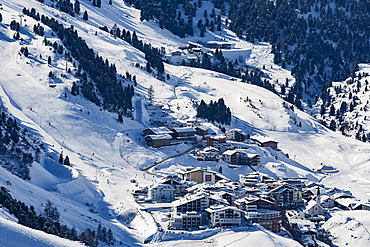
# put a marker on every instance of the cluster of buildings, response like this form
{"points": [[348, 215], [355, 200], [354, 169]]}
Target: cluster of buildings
{"points": [[192, 53], [215, 147], [199, 198]]}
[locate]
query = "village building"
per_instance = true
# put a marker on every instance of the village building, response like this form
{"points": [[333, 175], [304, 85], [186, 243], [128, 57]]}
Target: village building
{"points": [[188, 203], [326, 169], [176, 124], [253, 179], [201, 130], [183, 132], [265, 142], [214, 140], [156, 141], [179, 185], [287, 196], [199, 175], [236, 135], [362, 206], [269, 219], [156, 131], [225, 216], [240, 157], [208, 154], [220, 45], [314, 208], [161, 192], [189, 220], [252, 203], [296, 182]]}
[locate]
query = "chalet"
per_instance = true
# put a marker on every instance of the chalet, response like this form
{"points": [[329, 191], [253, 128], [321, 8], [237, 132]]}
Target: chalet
{"points": [[252, 203], [214, 141], [199, 175], [156, 141], [270, 144], [176, 53], [230, 156], [236, 135], [225, 216], [228, 196], [314, 208], [179, 185], [263, 141], [161, 192], [269, 219], [220, 45], [326, 169], [225, 146], [296, 182], [156, 131], [287, 196], [192, 45], [253, 178], [240, 157], [306, 229], [201, 130], [182, 132], [197, 51], [176, 124], [362, 206], [249, 159], [208, 154]]}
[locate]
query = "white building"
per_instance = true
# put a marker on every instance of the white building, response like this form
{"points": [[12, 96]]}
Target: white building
{"points": [[225, 216], [188, 220], [162, 192], [314, 208]]}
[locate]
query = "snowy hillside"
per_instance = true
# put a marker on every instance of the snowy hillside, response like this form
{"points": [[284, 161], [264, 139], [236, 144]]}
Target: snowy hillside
{"points": [[106, 155]]}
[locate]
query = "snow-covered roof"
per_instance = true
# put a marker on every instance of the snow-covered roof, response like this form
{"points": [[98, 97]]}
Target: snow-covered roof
{"points": [[161, 187], [159, 137], [188, 198], [184, 129], [236, 130], [311, 204], [220, 208], [159, 130]]}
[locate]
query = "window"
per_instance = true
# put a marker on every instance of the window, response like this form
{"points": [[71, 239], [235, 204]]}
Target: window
{"points": [[208, 178]]}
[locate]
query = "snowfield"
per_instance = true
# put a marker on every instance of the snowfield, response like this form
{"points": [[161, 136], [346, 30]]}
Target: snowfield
{"points": [[105, 154]]}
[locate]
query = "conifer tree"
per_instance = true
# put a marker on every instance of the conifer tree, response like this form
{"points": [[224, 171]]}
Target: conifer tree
{"points": [[85, 16], [66, 161]]}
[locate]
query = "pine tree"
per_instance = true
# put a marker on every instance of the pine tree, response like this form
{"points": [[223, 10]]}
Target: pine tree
{"points": [[110, 238], [120, 118], [51, 211], [66, 161], [85, 16], [151, 92], [75, 89], [148, 68], [61, 159], [77, 8], [16, 36]]}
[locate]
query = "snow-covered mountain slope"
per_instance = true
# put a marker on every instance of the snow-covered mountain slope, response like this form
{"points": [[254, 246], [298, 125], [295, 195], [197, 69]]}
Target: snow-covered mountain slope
{"points": [[105, 154], [349, 228], [13, 234]]}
